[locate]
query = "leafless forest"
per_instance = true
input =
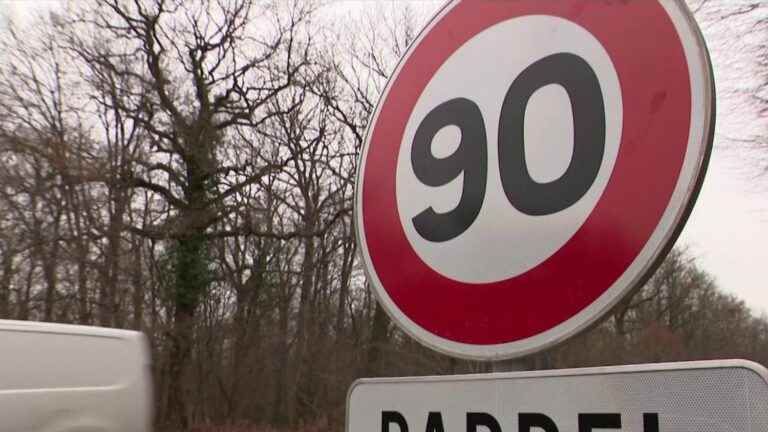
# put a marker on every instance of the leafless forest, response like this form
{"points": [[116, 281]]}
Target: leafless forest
{"points": [[187, 168]]}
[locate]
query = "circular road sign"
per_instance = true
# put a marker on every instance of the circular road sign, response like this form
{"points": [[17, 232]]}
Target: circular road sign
{"points": [[528, 165]]}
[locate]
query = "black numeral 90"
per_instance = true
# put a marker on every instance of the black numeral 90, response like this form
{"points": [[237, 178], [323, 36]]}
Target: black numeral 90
{"points": [[579, 80]]}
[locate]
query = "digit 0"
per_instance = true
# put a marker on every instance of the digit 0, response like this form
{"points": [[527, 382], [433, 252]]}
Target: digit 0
{"points": [[588, 110], [471, 157]]}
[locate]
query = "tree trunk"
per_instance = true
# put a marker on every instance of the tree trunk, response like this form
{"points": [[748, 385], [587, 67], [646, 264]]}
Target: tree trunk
{"points": [[279, 416], [189, 284], [191, 281], [177, 413], [379, 334], [49, 265], [138, 287], [115, 230], [83, 312], [307, 273], [23, 297], [239, 347], [348, 261], [5, 284], [75, 220], [247, 298]]}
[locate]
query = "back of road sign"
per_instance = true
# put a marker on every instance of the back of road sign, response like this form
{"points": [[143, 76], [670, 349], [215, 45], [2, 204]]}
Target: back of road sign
{"points": [[714, 396]]}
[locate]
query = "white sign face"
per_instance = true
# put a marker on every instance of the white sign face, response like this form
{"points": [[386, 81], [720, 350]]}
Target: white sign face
{"points": [[714, 396]]}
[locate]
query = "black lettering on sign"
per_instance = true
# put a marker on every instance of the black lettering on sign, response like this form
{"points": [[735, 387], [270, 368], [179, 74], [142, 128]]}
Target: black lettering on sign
{"points": [[476, 419], [390, 417], [435, 422], [579, 80], [589, 422], [470, 159], [528, 421], [650, 422]]}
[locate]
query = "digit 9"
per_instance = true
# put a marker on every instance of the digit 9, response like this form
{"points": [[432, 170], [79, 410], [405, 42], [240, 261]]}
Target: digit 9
{"points": [[470, 158]]}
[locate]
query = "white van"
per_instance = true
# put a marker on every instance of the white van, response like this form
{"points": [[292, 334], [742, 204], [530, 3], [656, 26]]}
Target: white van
{"points": [[67, 378]]}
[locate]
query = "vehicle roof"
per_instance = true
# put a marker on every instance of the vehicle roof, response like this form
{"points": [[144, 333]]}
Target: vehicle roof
{"points": [[43, 327]]}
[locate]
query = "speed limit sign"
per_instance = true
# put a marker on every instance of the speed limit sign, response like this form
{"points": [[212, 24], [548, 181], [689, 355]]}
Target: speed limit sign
{"points": [[528, 165]]}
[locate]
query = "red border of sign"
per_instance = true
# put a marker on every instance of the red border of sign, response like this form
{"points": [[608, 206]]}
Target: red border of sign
{"points": [[656, 123]]}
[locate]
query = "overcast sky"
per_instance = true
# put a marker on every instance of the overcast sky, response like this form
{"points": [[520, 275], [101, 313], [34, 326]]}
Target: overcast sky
{"points": [[728, 229]]}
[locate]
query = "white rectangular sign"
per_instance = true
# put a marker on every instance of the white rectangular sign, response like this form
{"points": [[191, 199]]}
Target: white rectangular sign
{"points": [[712, 396]]}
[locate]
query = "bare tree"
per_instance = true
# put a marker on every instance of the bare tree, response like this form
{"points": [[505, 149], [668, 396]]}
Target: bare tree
{"points": [[199, 81]]}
